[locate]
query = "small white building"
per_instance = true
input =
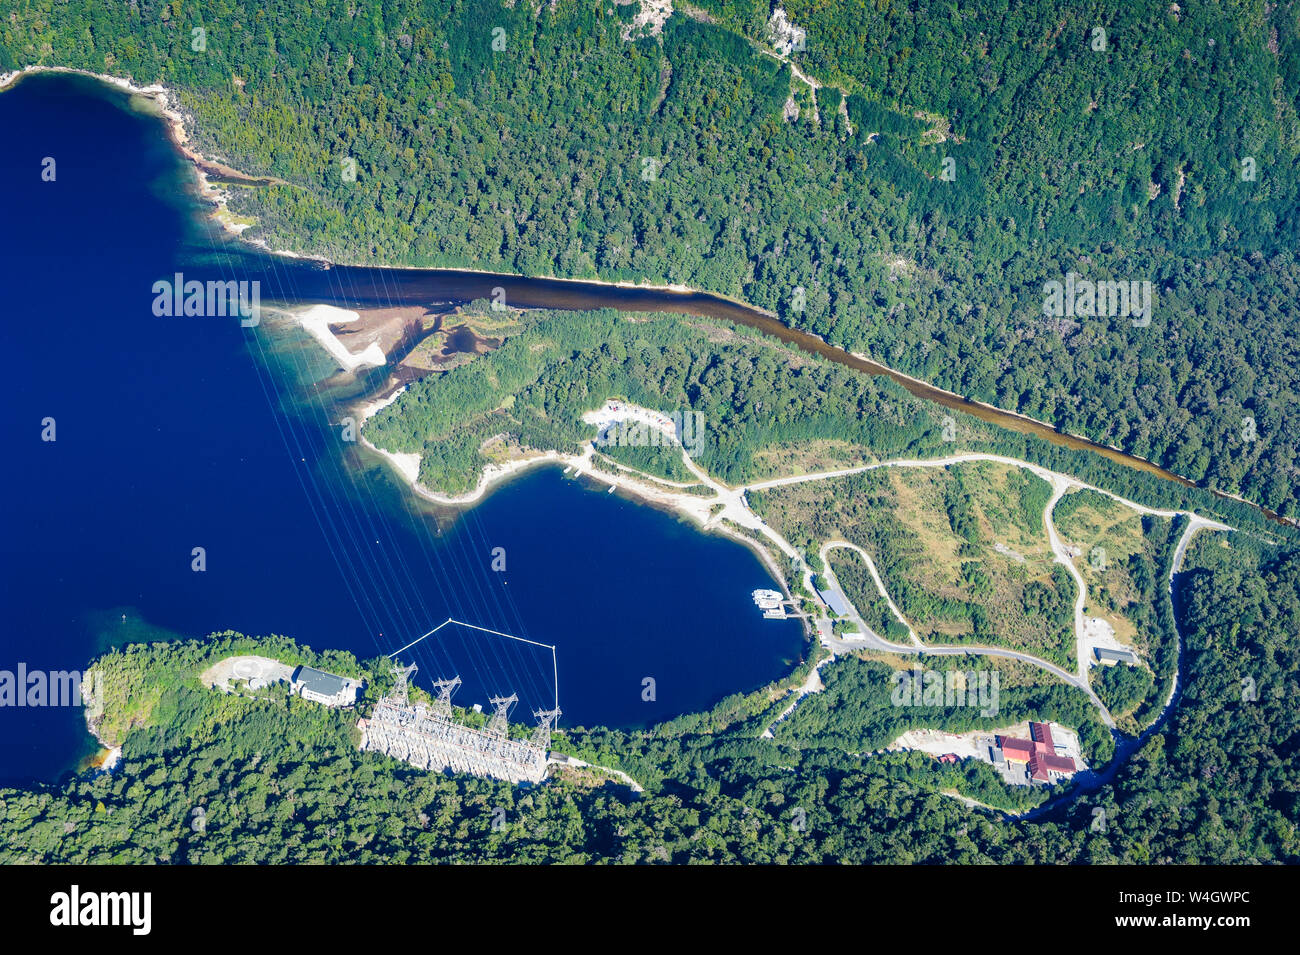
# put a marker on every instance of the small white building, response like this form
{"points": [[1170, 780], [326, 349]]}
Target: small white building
{"points": [[328, 689]]}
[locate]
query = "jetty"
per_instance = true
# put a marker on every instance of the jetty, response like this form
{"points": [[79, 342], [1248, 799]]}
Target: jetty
{"points": [[775, 605]]}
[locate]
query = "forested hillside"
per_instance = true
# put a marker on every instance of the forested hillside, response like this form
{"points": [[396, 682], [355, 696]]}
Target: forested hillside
{"points": [[281, 780], [539, 140], [763, 408], [750, 393]]}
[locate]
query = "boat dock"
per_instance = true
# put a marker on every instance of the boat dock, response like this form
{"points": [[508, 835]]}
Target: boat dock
{"points": [[775, 606]]}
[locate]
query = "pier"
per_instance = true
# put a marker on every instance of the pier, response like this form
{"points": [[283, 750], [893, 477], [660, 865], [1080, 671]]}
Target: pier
{"points": [[775, 605]]}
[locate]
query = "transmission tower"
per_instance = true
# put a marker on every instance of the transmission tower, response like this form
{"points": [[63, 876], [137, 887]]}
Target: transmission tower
{"points": [[499, 725], [445, 688], [545, 722], [403, 675]]}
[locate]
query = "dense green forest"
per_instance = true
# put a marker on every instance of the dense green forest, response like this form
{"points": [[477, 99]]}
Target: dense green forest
{"points": [[760, 403], [856, 713], [534, 138], [750, 392], [664, 461], [281, 780]]}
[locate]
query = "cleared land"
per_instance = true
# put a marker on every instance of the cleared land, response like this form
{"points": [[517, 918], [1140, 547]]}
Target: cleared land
{"points": [[963, 550], [1121, 556], [1112, 550]]}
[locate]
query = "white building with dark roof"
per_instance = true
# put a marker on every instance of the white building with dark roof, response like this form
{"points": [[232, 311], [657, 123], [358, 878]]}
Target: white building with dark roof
{"points": [[328, 689]]}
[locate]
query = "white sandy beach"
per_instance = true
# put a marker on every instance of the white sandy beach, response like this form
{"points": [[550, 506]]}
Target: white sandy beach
{"points": [[317, 319], [110, 760]]}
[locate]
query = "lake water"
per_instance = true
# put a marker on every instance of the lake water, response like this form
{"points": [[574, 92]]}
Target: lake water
{"points": [[177, 433]]}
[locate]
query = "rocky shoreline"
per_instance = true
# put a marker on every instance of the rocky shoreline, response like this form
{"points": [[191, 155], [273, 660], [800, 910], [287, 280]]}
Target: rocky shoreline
{"points": [[176, 120]]}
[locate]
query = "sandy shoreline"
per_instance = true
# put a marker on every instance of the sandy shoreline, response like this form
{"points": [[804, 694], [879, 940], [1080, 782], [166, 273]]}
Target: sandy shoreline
{"points": [[696, 509], [317, 319], [108, 761], [367, 409], [407, 463]]}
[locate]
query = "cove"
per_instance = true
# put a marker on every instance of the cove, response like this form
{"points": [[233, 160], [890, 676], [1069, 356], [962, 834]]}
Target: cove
{"points": [[176, 433]]}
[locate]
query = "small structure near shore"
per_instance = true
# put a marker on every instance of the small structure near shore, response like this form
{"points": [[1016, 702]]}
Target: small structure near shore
{"points": [[1109, 657], [832, 597], [773, 604], [327, 689], [258, 673]]}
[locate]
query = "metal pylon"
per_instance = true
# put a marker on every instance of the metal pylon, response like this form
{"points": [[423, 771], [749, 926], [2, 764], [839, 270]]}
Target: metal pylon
{"points": [[403, 674], [545, 723], [445, 688], [499, 725]]}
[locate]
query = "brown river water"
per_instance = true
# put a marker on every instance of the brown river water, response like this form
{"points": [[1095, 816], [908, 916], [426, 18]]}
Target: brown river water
{"points": [[374, 287]]}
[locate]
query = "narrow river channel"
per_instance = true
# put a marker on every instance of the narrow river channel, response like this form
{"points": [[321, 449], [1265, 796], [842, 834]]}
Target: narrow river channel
{"points": [[375, 287]]}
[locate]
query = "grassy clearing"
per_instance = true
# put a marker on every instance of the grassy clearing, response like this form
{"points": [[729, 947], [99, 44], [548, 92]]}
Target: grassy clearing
{"points": [[808, 458], [1109, 542], [962, 550]]}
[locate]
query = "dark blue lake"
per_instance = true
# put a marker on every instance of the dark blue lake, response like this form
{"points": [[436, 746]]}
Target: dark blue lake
{"points": [[176, 433]]}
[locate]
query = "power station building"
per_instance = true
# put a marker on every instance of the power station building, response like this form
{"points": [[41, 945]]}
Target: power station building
{"points": [[1038, 754], [328, 689]]}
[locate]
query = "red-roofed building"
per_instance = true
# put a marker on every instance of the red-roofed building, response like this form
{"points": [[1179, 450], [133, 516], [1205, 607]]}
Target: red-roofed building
{"points": [[1015, 750], [1041, 733], [1043, 765], [1038, 753]]}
